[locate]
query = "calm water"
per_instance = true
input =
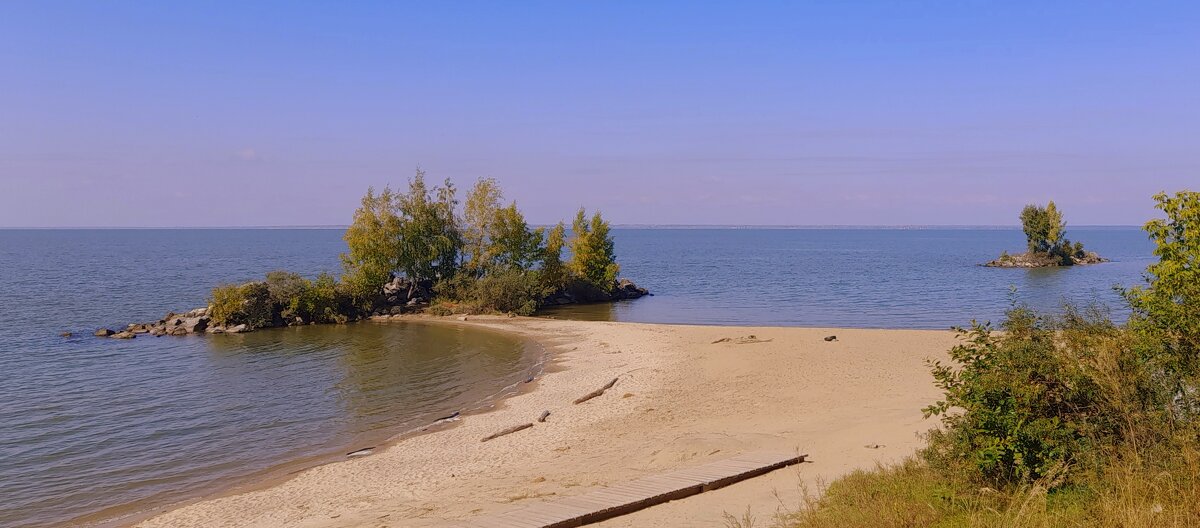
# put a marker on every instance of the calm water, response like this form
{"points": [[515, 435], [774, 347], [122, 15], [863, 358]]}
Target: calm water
{"points": [[884, 278], [88, 424]]}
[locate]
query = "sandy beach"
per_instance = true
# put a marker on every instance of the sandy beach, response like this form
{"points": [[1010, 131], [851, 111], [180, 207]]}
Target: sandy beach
{"points": [[681, 399]]}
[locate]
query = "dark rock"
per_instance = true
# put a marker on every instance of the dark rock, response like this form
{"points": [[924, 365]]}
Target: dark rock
{"points": [[104, 332], [831, 338], [626, 289], [194, 325]]}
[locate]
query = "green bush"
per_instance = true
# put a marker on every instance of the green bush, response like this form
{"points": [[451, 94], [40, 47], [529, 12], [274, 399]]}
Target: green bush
{"points": [[1017, 402], [249, 304], [503, 291], [285, 287], [318, 303], [1046, 393]]}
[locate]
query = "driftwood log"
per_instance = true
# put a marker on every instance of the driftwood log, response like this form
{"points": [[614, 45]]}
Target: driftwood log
{"points": [[595, 393], [508, 431], [545, 414]]}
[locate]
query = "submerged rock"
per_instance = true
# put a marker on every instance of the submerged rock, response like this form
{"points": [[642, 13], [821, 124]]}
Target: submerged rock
{"points": [[103, 332]]}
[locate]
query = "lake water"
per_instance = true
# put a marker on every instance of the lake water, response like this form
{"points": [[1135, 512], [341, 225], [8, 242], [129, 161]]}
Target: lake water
{"points": [[99, 427], [91, 427], [873, 278]]}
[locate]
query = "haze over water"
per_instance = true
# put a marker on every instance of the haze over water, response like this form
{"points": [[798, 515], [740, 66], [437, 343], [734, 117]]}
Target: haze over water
{"points": [[92, 423]]}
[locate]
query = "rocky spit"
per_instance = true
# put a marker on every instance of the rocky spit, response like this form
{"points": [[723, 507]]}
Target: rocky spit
{"points": [[175, 324], [398, 296]]}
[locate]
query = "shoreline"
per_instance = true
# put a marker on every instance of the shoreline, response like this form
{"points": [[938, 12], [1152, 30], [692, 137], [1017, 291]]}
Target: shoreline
{"points": [[526, 379], [675, 405]]}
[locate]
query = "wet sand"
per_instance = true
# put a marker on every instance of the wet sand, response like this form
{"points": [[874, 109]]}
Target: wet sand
{"points": [[680, 400]]}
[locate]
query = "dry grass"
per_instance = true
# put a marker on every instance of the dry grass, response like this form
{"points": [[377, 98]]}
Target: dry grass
{"points": [[1132, 492]]}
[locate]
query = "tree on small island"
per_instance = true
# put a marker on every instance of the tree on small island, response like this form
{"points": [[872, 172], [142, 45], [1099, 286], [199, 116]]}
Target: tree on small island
{"points": [[1046, 243]]}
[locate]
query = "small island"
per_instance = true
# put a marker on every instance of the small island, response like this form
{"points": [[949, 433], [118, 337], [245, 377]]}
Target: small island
{"points": [[418, 251], [1046, 244]]}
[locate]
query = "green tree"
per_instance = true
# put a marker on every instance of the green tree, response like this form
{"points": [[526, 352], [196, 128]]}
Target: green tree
{"points": [[415, 233], [592, 252], [553, 271], [373, 242], [1168, 305], [1043, 226], [495, 236], [429, 237], [479, 215], [513, 244]]}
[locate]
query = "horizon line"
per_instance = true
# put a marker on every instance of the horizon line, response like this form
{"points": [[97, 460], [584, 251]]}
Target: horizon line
{"points": [[615, 226]]}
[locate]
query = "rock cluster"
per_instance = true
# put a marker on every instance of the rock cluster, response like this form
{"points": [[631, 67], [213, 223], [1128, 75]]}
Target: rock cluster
{"points": [[581, 293], [401, 295], [175, 324], [1045, 260]]}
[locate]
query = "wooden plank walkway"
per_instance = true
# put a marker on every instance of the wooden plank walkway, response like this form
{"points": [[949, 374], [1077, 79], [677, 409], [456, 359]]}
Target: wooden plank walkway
{"points": [[620, 499]]}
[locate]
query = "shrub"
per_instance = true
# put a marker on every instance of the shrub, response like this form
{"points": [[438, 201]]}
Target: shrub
{"points": [[249, 304], [1045, 394], [285, 289], [319, 302], [1020, 403], [508, 291]]}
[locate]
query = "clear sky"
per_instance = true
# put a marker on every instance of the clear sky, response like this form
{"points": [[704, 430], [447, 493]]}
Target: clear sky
{"points": [[908, 112]]}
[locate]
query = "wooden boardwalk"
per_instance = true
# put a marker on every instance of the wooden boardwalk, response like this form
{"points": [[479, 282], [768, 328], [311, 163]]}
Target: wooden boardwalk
{"points": [[620, 499]]}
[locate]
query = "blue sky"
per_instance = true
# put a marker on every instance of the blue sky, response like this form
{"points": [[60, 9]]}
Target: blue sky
{"points": [[871, 113]]}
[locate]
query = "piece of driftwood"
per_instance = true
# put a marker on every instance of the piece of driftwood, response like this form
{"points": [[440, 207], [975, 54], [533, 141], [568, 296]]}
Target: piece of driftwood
{"points": [[746, 340], [450, 417], [508, 431], [595, 393], [544, 415], [831, 338]]}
